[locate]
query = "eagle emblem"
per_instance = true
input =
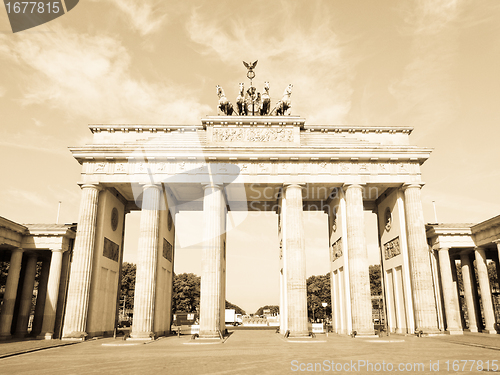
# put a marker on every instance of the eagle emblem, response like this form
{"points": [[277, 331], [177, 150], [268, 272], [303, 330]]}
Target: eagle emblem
{"points": [[250, 66]]}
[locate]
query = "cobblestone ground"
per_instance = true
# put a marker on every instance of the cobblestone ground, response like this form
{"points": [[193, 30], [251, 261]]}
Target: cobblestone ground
{"points": [[265, 352]]}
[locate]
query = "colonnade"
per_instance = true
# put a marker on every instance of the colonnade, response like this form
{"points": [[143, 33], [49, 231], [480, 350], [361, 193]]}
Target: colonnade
{"points": [[476, 287], [19, 291], [293, 301]]}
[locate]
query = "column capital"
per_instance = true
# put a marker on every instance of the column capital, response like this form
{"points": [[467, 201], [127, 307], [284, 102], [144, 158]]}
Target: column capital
{"points": [[212, 185], [98, 187], [443, 249], [293, 184], [496, 241], [354, 185], [148, 186], [413, 186], [57, 250]]}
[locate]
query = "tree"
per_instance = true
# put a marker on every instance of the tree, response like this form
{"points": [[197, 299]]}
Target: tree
{"points": [[274, 310], [186, 293], [318, 292], [375, 272], [128, 284], [237, 309]]}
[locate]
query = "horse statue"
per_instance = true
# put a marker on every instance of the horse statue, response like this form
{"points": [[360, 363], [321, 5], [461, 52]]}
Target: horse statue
{"points": [[284, 106], [240, 102], [266, 100], [224, 107]]}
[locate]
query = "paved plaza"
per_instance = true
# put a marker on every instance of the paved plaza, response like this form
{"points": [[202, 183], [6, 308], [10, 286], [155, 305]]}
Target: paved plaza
{"points": [[259, 352]]}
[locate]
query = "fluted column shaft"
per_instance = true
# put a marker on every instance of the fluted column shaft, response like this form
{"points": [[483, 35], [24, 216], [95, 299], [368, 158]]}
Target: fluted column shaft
{"points": [[484, 287], [295, 262], [26, 297], [470, 292], [9, 298], [214, 222], [418, 255], [359, 279], [40, 298], [145, 287], [451, 306], [49, 316], [75, 322]]}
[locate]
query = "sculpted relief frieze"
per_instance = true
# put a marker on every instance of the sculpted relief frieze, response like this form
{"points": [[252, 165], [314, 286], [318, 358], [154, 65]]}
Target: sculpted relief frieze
{"points": [[252, 135], [337, 249], [392, 248], [253, 167]]}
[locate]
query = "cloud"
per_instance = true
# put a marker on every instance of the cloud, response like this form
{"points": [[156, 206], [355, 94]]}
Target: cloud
{"points": [[424, 92], [37, 122], [312, 58], [33, 140], [471, 208], [145, 17], [25, 196], [90, 76]]}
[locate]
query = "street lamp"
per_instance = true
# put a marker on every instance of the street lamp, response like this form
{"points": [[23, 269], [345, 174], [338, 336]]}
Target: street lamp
{"points": [[324, 304]]}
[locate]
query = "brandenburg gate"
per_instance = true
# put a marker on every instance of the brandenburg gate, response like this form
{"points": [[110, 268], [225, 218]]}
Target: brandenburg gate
{"points": [[252, 157]]}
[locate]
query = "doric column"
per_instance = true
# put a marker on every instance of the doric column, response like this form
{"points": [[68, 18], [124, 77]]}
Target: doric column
{"points": [[214, 226], [145, 285], [359, 279], [49, 316], [26, 297], [40, 298], [75, 322], [484, 287], [470, 292], [9, 298], [449, 293], [295, 262], [418, 255]]}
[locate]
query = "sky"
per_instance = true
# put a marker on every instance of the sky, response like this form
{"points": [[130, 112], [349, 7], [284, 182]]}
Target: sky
{"points": [[431, 64]]}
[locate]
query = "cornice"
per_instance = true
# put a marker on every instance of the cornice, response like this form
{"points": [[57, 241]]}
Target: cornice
{"points": [[355, 154]]}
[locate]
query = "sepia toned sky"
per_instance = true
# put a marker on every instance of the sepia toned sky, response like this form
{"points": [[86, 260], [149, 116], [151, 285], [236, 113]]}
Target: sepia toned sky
{"points": [[433, 65]]}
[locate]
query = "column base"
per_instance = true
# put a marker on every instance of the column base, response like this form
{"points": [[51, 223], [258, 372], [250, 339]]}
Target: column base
{"points": [[5, 336], [455, 332], [430, 331], [75, 336], [45, 336], [489, 331], [142, 336], [209, 335], [365, 334], [299, 334]]}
